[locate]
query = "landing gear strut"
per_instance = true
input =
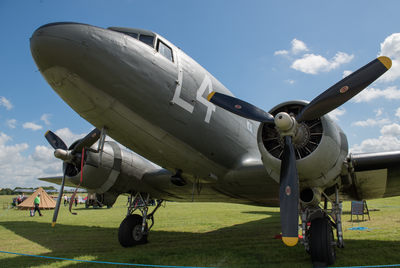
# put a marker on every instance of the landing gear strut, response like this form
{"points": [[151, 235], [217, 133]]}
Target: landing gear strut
{"points": [[318, 238], [134, 229]]}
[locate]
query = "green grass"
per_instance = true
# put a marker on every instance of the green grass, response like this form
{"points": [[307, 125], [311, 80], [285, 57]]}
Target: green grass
{"points": [[190, 234]]}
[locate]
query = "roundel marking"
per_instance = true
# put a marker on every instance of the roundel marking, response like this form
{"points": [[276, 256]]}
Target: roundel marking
{"points": [[288, 190], [344, 89]]}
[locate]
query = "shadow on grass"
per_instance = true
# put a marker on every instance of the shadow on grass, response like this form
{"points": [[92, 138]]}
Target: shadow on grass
{"points": [[244, 245], [258, 213]]}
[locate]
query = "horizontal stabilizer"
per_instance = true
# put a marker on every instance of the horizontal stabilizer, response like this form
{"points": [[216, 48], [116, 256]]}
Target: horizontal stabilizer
{"points": [[57, 180]]}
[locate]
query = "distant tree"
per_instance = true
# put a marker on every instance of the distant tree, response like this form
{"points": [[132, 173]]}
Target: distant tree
{"points": [[48, 187], [6, 191], [16, 189]]}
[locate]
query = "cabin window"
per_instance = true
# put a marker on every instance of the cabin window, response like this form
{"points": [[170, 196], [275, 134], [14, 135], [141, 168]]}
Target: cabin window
{"points": [[147, 39], [165, 50]]}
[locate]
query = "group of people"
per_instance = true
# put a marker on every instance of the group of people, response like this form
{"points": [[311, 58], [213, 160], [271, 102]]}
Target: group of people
{"points": [[67, 200], [19, 199]]}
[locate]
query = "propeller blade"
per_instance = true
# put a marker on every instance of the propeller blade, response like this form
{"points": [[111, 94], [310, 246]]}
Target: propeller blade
{"points": [[80, 182], [345, 89], [59, 198], [55, 141], [289, 195], [240, 107], [88, 140]]}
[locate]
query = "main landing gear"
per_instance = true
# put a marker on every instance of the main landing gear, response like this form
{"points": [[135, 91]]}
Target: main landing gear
{"points": [[317, 229], [134, 229]]}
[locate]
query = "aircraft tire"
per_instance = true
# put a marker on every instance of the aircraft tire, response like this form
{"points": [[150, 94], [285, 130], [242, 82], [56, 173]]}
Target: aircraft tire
{"points": [[129, 232], [322, 248]]}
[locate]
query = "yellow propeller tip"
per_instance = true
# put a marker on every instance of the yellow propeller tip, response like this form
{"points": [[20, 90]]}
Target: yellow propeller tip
{"points": [[53, 224], [385, 61], [210, 95], [290, 241]]}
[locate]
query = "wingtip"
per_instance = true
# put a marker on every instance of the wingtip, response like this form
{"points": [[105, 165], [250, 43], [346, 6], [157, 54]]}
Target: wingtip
{"points": [[210, 95], [290, 241], [386, 61]]}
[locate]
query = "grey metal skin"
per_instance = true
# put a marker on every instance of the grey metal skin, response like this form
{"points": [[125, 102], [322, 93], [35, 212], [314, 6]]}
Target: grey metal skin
{"points": [[158, 108]]}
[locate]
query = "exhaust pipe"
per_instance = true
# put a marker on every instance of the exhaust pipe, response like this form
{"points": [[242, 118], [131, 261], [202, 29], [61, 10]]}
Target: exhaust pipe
{"points": [[310, 197]]}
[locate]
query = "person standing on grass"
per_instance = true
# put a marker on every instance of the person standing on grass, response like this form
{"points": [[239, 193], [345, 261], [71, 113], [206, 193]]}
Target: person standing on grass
{"points": [[37, 202]]}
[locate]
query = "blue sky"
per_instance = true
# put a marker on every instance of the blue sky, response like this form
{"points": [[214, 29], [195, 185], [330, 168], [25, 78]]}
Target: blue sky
{"points": [[265, 52]]}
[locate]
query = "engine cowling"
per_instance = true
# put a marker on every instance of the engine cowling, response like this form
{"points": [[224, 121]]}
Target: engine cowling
{"points": [[320, 146], [110, 172]]}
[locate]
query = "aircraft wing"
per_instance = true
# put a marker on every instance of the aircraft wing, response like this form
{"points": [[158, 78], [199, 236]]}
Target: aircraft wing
{"points": [[374, 175], [57, 180]]}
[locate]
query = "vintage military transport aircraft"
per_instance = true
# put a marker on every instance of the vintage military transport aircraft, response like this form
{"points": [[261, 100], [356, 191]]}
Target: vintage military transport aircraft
{"points": [[196, 142]]}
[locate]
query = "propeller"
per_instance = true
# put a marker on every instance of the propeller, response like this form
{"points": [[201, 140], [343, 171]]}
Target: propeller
{"points": [[69, 156], [240, 107], [289, 194], [329, 100]]}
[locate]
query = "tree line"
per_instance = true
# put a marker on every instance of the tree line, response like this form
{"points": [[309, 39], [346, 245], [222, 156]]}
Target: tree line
{"points": [[20, 190]]}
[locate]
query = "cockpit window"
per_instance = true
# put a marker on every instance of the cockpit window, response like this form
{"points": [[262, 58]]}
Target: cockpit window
{"points": [[134, 35], [147, 39], [165, 50]]}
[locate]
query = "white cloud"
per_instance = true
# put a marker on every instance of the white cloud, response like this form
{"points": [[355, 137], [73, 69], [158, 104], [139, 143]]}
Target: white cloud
{"points": [[380, 144], [390, 47], [378, 112], [12, 123], [45, 155], [6, 103], [368, 94], [281, 52], [388, 141], [21, 169], [3, 139], [346, 73], [9, 152], [310, 64], [371, 122], [32, 126], [391, 130], [11, 160], [45, 118], [290, 81], [336, 113], [314, 64], [298, 46], [68, 136], [398, 112]]}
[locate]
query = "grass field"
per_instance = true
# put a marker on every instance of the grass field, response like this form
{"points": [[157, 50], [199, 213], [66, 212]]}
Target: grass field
{"points": [[189, 234]]}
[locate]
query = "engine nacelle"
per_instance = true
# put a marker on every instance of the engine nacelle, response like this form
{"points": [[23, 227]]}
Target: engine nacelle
{"points": [[110, 172], [320, 147]]}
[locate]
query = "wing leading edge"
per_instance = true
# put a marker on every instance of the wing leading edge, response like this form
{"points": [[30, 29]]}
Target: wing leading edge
{"points": [[57, 180]]}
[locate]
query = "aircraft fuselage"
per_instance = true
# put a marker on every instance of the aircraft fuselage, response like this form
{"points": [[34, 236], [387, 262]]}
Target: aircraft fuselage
{"points": [[149, 103]]}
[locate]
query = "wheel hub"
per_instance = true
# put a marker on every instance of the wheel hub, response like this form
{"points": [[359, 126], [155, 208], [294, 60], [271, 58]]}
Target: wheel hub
{"points": [[137, 232]]}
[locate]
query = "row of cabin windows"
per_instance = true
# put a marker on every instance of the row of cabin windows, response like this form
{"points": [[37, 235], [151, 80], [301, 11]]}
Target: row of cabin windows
{"points": [[162, 48]]}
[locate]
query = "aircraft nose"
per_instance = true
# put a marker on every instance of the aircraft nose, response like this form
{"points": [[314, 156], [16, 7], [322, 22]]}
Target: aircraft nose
{"points": [[61, 43]]}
